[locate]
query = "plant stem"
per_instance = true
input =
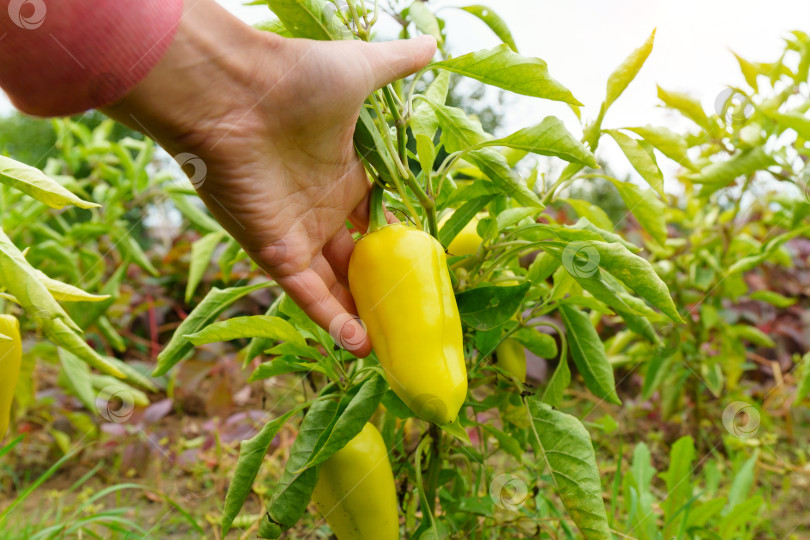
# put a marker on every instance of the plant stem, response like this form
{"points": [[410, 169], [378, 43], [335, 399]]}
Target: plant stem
{"points": [[427, 507], [376, 211], [399, 122], [399, 167], [433, 467]]}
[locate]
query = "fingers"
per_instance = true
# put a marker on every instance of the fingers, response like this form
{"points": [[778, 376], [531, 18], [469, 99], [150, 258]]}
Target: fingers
{"points": [[311, 293], [393, 60], [338, 252]]}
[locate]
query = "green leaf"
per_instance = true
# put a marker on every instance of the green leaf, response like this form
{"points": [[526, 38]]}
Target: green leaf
{"points": [[280, 366], [202, 251], [748, 263], [635, 272], [749, 71], [38, 185], [487, 307], [65, 292], [21, 281], [192, 212], [351, 422], [214, 303], [568, 452], [506, 69], [543, 345], [258, 345], [642, 519], [495, 23], [667, 142], [773, 298], [423, 119], [457, 431], [251, 455], [273, 25], [591, 212], [723, 173], [461, 217], [686, 105], [803, 382], [506, 442], [607, 236], [679, 483], [513, 216], [627, 71], [542, 267], [371, 148], [648, 209], [588, 353], [293, 490], [424, 19], [555, 389], [308, 18], [132, 249], [741, 485], [459, 133], [753, 335], [78, 376], [594, 281], [62, 335], [426, 153], [658, 367], [643, 162], [253, 326], [549, 138], [794, 120]]}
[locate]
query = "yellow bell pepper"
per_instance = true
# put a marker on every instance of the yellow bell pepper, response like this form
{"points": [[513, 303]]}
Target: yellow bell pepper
{"points": [[401, 286], [10, 360], [466, 241], [512, 357], [355, 490]]}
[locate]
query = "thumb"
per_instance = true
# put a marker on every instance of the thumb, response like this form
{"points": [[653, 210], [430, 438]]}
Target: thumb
{"points": [[393, 60]]}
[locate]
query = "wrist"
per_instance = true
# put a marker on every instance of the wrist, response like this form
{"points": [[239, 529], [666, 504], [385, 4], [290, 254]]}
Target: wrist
{"points": [[205, 71]]}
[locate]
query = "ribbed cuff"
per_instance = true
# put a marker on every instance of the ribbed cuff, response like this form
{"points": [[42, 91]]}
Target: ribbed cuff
{"points": [[69, 56]]}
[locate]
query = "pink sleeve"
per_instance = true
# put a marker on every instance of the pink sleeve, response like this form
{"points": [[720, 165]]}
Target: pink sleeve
{"points": [[66, 56]]}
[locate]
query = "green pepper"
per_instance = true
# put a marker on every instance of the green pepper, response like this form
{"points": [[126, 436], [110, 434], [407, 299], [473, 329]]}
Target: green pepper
{"points": [[512, 357], [355, 490], [10, 360]]}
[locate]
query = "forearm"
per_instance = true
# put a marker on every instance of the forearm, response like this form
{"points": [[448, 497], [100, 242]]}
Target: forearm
{"points": [[68, 56], [207, 70]]}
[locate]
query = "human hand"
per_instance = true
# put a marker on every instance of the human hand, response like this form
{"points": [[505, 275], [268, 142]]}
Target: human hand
{"points": [[272, 119]]}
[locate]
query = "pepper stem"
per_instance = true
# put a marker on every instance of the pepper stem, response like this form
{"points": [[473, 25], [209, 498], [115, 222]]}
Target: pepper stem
{"points": [[376, 211]]}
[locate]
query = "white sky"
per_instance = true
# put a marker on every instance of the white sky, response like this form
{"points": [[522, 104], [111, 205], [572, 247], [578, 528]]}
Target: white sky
{"points": [[584, 40]]}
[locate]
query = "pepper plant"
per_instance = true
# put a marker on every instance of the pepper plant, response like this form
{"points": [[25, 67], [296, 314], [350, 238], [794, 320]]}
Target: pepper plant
{"points": [[586, 267]]}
